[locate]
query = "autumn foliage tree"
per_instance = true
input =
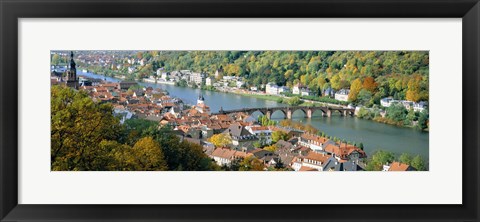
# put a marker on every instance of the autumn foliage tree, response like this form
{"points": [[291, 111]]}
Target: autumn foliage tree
{"points": [[355, 89], [86, 136], [148, 155], [78, 125], [370, 84], [221, 140], [251, 163]]}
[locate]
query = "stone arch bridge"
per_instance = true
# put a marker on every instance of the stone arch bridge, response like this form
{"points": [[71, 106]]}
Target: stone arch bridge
{"points": [[288, 111]]}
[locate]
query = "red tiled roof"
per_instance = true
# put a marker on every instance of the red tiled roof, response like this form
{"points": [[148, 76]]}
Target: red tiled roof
{"points": [[397, 166]]}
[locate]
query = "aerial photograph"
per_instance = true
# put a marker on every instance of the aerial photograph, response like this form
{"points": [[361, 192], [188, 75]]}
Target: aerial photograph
{"points": [[154, 110]]}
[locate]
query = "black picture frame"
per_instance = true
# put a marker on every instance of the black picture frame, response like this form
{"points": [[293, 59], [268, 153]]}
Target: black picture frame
{"points": [[11, 11]]}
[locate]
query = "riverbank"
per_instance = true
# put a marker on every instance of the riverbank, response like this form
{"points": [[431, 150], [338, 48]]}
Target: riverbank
{"points": [[279, 99]]}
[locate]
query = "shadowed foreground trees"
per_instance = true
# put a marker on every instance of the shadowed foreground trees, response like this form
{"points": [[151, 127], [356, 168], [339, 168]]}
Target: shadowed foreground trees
{"points": [[86, 136]]}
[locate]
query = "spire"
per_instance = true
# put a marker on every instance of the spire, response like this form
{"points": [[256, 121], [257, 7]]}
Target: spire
{"points": [[72, 63], [200, 99]]}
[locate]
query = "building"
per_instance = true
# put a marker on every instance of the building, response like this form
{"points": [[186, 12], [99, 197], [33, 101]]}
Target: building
{"points": [[225, 156], [420, 106], [312, 162], [165, 76], [283, 89], [71, 74], [241, 137], [305, 92], [417, 107], [397, 166], [127, 84], [329, 92], [201, 106], [239, 84], [263, 133], [342, 95], [271, 88], [298, 89], [219, 73], [314, 142], [209, 81], [197, 78], [387, 102]]}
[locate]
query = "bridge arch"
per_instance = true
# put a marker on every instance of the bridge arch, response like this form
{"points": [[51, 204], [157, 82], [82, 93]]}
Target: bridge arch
{"points": [[274, 112], [256, 113], [299, 109], [318, 111]]}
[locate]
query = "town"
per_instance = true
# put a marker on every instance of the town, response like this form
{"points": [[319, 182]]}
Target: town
{"points": [[229, 137]]}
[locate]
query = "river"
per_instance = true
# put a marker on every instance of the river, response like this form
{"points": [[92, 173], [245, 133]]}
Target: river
{"points": [[372, 134]]}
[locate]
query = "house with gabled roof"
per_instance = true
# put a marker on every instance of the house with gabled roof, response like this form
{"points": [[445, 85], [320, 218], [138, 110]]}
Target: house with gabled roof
{"points": [[225, 156], [241, 137], [345, 151], [397, 166]]}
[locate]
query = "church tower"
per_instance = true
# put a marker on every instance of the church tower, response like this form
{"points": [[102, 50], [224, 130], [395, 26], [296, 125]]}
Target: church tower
{"points": [[200, 99], [72, 80]]}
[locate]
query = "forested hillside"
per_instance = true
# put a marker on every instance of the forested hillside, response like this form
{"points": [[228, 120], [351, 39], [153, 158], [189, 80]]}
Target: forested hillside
{"points": [[403, 75]]}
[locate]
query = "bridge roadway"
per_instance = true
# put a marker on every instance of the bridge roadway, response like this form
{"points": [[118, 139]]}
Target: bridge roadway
{"points": [[288, 111]]}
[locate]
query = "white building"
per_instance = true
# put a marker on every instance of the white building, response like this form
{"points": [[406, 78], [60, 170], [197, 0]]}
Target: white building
{"points": [[197, 78], [271, 88], [313, 161], [165, 75], [417, 107], [262, 132], [240, 84], [296, 89], [420, 106], [218, 73], [209, 81], [387, 102], [305, 92], [283, 89], [342, 95]]}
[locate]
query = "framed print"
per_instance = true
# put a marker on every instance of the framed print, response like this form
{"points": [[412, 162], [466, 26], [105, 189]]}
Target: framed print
{"points": [[268, 110]]}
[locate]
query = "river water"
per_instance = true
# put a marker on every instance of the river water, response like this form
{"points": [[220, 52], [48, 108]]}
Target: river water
{"points": [[372, 134]]}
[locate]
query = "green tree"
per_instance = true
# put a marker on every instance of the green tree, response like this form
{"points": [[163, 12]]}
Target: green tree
{"points": [[56, 59], [411, 116], [405, 158], [396, 112], [419, 163], [270, 148], [148, 155], [78, 125], [135, 87], [120, 156], [364, 97], [360, 145], [378, 159], [265, 121], [279, 135], [294, 101], [423, 120], [180, 154]]}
